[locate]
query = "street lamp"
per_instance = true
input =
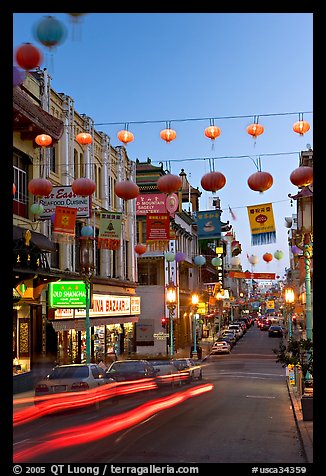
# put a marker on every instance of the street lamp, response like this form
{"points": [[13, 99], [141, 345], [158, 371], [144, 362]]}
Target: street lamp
{"points": [[194, 302], [219, 297], [87, 267], [289, 300], [171, 304]]}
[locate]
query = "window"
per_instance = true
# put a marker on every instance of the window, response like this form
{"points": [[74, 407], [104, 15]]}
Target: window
{"points": [[147, 273], [20, 169], [52, 160]]}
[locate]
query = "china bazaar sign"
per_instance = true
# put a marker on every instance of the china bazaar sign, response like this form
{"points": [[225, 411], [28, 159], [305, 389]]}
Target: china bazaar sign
{"points": [[104, 305], [65, 197]]}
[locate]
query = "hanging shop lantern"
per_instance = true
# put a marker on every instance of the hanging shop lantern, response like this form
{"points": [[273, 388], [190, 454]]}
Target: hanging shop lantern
{"points": [[14, 189], [267, 257], [260, 181], [43, 140], [212, 132], [296, 250], [255, 129], [49, 31], [28, 56], [278, 255], [168, 135], [302, 176], [126, 189], [37, 209], [217, 261], [18, 76], [140, 249], [86, 230], [84, 138], [253, 259], [169, 183], [40, 187], [179, 256], [213, 181], [235, 261], [169, 256], [199, 260], [301, 127], [83, 186], [125, 136]]}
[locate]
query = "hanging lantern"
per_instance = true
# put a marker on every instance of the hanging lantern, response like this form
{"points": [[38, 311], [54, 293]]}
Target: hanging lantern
{"points": [[213, 181], [253, 259], [43, 140], [140, 249], [84, 138], [169, 256], [179, 256], [212, 132], [168, 135], [296, 250], [267, 257], [49, 31], [40, 187], [86, 230], [125, 136], [37, 209], [260, 181], [217, 261], [126, 189], [28, 56], [302, 176], [83, 186], [278, 254], [301, 127], [255, 130], [18, 76], [199, 260], [235, 261], [169, 183], [14, 189]]}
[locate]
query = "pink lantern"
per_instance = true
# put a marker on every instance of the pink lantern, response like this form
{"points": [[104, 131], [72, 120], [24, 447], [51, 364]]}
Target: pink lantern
{"points": [[83, 186], [126, 189], [40, 187]]}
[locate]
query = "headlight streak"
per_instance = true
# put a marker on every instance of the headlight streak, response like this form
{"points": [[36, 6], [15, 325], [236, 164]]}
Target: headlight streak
{"points": [[92, 431]]}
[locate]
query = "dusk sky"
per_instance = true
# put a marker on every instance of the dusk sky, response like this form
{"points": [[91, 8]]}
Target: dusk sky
{"points": [[148, 69]]}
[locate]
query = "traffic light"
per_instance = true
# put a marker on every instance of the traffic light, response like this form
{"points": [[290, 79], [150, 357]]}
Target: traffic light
{"points": [[164, 322]]}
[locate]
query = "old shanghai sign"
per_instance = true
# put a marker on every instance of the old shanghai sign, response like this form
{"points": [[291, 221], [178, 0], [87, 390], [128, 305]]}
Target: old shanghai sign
{"points": [[65, 197], [67, 294]]}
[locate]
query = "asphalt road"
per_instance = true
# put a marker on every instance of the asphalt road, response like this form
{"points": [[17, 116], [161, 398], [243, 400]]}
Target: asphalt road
{"points": [[244, 417]]}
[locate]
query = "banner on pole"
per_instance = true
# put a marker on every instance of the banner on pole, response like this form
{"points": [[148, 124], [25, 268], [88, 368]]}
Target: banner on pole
{"points": [[262, 225]]}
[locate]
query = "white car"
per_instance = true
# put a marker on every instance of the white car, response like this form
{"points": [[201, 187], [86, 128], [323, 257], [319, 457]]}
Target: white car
{"points": [[237, 329], [189, 369], [221, 347]]}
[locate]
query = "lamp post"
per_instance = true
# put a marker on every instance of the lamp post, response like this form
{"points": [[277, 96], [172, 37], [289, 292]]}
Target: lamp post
{"points": [[194, 302], [289, 300], [219, 297], [86, 260], [171, 304]]}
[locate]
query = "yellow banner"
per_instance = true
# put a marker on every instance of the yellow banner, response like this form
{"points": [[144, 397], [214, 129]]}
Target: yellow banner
{"points": [[262, 225]]}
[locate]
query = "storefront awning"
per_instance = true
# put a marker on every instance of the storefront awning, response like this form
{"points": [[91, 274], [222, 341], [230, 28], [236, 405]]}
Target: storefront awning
{"points": [[38, 239], [80, 324]]}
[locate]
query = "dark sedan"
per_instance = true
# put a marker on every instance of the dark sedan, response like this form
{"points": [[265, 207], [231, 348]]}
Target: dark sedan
{"points": [[275, 331], [122, 370]]}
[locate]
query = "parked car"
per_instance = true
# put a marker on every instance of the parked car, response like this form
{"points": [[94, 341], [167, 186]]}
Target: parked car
{"points": [[71, 378], [220, 347], [189, 369], [231, 336], [237, 329], [166, 373], [275, 331], [131, 369]]}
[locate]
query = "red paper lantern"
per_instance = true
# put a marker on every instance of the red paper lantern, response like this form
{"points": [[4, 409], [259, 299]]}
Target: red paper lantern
{"points": [[260, 181], [84, 138], [212, 132], [169, 183], [140, 249], [301, 127], [168, 135], [255, 130], [126, 190], [125, 136], [267, 257], [83, 186], [28, 56], [213, 181], [302, 176], [43, 140], [40, 187]]}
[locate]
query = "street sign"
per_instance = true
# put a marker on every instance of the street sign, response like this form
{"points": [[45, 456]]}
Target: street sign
{"points": [[161, 335]]}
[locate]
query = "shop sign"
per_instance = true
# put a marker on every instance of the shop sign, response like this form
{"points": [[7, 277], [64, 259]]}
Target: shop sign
{"points": [[67, 294], [150, 203], [65, 197]]}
